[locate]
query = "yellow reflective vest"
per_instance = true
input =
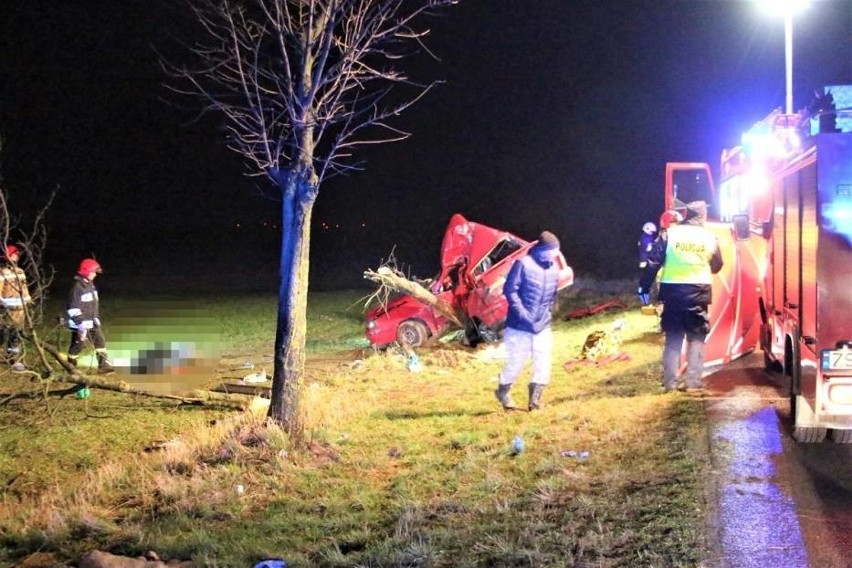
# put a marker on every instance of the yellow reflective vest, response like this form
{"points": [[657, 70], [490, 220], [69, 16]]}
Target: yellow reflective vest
{"points": [[688, 253]]}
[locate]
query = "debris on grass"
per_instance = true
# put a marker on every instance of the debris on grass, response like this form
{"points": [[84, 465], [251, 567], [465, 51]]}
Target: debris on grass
{"points": [[260, 377]]}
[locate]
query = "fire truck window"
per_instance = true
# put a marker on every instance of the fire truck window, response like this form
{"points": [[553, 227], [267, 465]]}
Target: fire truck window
{"points": [[693, 185]]}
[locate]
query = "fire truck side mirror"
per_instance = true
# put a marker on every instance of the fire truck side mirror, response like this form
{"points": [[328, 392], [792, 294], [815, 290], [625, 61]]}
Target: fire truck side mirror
{"points": [[766, 228], [741, 227]]}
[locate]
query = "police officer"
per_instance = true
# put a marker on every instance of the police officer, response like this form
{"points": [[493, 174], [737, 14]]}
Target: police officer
{"points": [[84, 318], [689, 256]]}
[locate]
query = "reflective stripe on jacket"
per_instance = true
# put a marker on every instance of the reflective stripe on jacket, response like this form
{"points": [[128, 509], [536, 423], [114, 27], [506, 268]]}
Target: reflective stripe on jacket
{"points": [[82, 306], [15, 292]]}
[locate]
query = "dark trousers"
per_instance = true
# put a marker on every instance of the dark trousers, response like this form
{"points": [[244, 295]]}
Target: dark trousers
{"points": [[679, 322], [95, 335], [647, 277], [10, 340]]}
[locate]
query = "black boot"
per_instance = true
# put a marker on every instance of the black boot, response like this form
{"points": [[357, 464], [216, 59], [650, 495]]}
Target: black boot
{"points": [[535, 396], [104, 368], [502, 394]]}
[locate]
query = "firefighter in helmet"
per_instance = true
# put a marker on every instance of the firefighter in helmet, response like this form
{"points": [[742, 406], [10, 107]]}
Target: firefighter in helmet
{"points": [[15, 295], [646, 274], [84, 318], [667, 219], [649, 268]]}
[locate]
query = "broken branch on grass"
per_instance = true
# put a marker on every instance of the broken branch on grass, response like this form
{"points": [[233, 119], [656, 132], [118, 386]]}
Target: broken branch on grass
{"points": [[200, 397], [390, 278]]}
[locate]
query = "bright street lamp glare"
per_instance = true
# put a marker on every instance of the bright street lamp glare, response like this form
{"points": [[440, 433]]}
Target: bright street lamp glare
{"points": [[786, 8], [783, 7]]}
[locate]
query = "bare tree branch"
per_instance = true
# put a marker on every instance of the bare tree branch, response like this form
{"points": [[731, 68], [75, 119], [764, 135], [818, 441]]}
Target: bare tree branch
{"points": [[274, 68], [73, 376], [390, 278], [30, 277]]}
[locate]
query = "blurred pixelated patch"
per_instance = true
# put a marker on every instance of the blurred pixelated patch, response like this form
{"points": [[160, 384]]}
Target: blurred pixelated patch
{"points": [[172, 347]]}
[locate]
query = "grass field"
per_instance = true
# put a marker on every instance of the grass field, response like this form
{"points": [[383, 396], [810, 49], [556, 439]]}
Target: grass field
{"points": [[400, 468]]}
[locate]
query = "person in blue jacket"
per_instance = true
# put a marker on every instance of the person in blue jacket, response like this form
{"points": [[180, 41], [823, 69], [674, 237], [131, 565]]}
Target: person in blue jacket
{"points": [[647, 272], [530, 288]]}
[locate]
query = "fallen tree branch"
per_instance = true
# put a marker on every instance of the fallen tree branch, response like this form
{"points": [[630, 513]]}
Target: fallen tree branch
{"points": [[196, 396], [389, 278], [59, 359], [193, 397]]}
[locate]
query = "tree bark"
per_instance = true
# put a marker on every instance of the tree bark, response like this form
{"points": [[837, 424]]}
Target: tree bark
{"points": [[299, 195]]}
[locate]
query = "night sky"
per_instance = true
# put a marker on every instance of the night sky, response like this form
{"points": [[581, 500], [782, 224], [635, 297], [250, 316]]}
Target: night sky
{"points": [[554, 114]]}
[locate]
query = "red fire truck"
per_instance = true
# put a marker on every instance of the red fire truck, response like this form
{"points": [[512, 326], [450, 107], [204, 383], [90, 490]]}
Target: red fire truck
{"points": [[783, 216]]}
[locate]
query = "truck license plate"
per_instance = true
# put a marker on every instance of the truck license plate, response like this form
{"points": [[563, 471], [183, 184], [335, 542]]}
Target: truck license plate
{"points": [[837, 360]]}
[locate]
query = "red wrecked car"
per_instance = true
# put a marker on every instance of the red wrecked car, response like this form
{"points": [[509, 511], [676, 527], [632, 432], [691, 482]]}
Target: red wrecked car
{"points": [[475, 260]]}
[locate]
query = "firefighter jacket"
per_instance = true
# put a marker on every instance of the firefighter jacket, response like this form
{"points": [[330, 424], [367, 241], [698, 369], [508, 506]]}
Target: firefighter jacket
{"points": [[645, 244], [82, 307], [14, 293], [531, 288], [690, 256]]}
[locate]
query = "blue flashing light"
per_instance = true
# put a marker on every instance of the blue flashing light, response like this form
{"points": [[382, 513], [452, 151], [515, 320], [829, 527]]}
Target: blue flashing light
{"points": [[837, 217], [835, 185]]}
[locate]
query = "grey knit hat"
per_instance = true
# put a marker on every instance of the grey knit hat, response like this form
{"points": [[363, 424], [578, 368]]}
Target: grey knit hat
{"points": [[547, 240], [696, 209]]}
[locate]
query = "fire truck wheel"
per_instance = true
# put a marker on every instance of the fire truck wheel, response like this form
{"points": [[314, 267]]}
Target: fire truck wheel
{"points": [[808, 434], [412, 333], [840, 436]]}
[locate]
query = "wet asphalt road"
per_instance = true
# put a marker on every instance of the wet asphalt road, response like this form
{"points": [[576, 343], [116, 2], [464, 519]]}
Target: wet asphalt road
{"points": [[777, 503]]}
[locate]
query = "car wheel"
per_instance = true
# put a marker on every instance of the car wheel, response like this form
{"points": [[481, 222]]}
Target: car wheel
{"points": [[412, 333]]}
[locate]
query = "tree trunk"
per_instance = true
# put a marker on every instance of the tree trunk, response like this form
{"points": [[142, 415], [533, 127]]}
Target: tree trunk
{"points": [[298, 197]]}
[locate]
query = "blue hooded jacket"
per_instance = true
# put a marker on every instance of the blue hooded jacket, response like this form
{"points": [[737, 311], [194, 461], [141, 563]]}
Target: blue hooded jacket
{"points": [[531, 288]]}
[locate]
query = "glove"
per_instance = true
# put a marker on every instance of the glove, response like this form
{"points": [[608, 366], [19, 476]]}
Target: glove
{"points": [[643, 264], [81, 334]]}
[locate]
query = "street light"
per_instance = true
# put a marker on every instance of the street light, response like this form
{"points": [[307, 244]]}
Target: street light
{"points": [[787, 8]]}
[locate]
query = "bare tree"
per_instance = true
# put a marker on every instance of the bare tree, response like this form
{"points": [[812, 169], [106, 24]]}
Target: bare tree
{"points": [[30, 238], [302, 84]]}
